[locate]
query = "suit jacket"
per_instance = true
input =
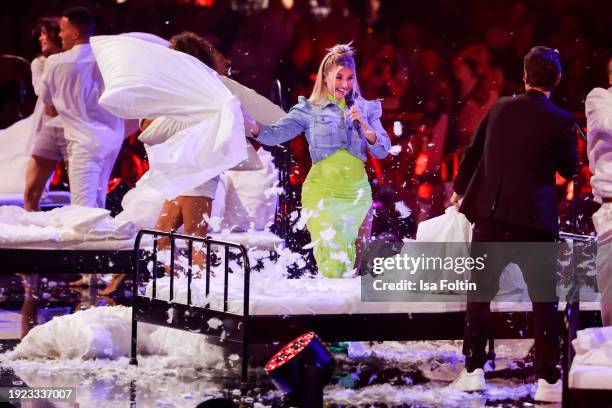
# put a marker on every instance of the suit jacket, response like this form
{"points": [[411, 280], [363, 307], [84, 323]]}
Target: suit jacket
{"points": [[508, 171]]}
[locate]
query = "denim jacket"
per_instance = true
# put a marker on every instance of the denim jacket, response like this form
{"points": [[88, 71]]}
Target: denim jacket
{"points": [[327, 131]]}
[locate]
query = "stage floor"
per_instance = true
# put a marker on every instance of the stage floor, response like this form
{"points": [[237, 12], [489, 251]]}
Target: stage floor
{"points": [[380, 375]]}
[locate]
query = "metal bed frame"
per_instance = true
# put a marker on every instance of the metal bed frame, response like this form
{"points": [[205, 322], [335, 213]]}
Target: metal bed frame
{"points": [[574, 320], [45, 261], [245, 329], [61, 261]]}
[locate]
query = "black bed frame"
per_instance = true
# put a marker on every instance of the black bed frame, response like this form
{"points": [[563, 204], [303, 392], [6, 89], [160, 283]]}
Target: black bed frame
{"points": [[574, 320], [48, 261], [61, 261], [245, 329]]}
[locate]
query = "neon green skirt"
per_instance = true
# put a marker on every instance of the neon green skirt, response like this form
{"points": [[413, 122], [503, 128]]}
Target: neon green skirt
{"points": [[336, 197]]}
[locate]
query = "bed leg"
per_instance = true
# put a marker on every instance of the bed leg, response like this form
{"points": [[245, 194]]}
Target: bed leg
{"points": [[572, 324], [245, 363], [134, 343], [491, 351]]}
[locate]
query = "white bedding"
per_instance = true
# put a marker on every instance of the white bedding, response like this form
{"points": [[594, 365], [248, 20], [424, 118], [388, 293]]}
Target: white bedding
{"points": [[262, 240], [49, 199], [592, 365], [82, 228], [100, 245], [65, 224], [274, 295], [590, 377]]}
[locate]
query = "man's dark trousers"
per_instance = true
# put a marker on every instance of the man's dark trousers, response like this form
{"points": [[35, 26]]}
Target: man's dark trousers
{"points": [[538, 265]]}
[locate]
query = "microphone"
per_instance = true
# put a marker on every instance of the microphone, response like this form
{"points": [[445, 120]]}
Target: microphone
{"points": [[350, 101], [576, 126]]}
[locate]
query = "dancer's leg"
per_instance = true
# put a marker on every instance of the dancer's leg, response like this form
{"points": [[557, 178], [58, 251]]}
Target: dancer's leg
{"points": [[540, 276], [194, 210], [38, 172], [170, 218], [84, 177], [29, 310], [107, 168], [478, 309], [113, 285], [49, 147]]}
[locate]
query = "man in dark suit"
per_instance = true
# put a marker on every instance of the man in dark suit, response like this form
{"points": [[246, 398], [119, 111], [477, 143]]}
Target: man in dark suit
{"points": [[506, 187]]}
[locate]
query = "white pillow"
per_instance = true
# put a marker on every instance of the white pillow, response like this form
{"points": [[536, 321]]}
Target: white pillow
{"points": [[14, 156], [152, 38], [146, 80]]}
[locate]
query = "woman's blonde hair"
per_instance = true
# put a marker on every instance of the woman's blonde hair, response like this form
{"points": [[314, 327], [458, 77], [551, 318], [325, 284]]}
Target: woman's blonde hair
{"points": [[340, 55]]}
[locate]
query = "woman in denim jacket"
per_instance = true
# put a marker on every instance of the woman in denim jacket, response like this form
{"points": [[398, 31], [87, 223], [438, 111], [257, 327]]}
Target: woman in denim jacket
{"points": [[336, 195]]}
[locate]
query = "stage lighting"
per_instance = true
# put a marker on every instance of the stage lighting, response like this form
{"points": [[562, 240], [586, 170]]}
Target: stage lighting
{"points": [[249, 6], [301, 370], [217, 403]]}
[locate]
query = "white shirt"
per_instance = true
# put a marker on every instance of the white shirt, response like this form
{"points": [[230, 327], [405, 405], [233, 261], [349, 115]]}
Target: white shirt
{"points": [[72, 83], [598, 107], [37, 67], [40, 118]]}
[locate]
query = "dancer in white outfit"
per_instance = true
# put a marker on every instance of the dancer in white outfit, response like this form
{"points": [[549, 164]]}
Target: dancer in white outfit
{"points": [[191, 208], [598, 106], [48, 140], [72, 85]]}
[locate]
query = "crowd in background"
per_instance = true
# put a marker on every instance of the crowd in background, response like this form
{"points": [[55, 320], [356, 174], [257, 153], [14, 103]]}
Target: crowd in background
{"points": [[437, 66]]}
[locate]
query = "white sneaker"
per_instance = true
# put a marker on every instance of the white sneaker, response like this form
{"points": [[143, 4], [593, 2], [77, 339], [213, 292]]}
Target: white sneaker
{"points": [[474, 381], [547, 392]]}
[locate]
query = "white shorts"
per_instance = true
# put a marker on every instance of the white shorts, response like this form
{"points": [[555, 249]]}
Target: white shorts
{"points": [[207, 189], [49, 143]]}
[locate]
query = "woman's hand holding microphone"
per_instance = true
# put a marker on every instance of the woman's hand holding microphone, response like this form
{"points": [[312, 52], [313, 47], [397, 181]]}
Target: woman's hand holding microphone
{"points": [[356, 116]]}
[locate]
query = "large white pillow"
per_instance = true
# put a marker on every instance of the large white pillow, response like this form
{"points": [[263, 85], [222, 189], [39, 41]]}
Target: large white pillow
{"points": [[152, 38], [146, 80]]}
